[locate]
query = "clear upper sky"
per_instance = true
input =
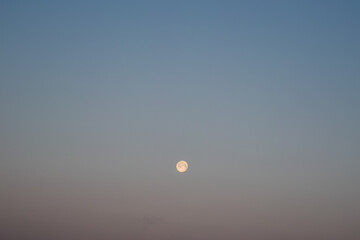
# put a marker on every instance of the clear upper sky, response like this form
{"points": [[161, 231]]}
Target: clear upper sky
{"points": [[100, 99]]}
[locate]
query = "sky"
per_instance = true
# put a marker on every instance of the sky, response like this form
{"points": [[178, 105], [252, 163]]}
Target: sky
{"points": [[100, 99]]}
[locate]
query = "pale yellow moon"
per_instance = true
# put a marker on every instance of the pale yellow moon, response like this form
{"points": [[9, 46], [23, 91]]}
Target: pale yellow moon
{"points": [[182, 166]]}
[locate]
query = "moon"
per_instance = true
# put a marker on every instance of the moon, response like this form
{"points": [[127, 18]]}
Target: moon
{"points": [[182, 166]]}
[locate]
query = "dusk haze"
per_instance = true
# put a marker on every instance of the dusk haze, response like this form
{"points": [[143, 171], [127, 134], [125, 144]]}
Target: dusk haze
{"points": [[180, 120]]}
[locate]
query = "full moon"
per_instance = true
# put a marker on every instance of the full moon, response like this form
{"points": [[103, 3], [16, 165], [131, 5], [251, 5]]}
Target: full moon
{"points": [[182, 166]]}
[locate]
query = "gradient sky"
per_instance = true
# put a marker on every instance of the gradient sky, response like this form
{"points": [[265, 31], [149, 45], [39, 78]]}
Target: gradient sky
{"points": [[100, 99]]}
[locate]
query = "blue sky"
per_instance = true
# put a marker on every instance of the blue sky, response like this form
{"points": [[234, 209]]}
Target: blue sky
{"points": [[260, 97]]}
